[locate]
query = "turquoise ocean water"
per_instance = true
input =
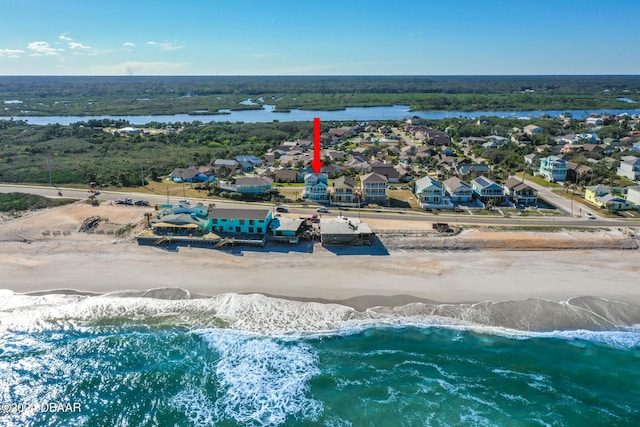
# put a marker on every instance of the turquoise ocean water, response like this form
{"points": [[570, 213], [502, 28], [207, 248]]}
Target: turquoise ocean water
{"points": [[124, 370]]}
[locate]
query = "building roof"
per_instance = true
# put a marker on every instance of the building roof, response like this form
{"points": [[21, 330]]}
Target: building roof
{"points": [[253, 180], [483, 182], [454, 183], [345, 181], [599, 189], [231, 213], [516, 184], [285, 224], [225, 162], [345, 226], [465, 168], [174, 220], [427, 181], [373, 177]]}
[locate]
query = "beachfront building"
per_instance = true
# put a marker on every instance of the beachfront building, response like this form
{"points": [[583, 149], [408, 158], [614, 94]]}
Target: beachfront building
{"points": [[431, 194], [344, 191], [182, 224], [240, 221], [519, 192], [373, 188], [553, 169], [630, 168], [316, 187], [458, 190], [285, 229], [253, 185], [345, 231], [487, 191]]}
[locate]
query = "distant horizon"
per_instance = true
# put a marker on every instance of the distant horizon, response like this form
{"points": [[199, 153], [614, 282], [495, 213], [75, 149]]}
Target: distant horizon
{"points": [[335, 38]]}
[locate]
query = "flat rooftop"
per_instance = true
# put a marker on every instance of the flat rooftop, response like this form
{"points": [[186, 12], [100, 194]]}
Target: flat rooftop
{"points": [[344, 226]]}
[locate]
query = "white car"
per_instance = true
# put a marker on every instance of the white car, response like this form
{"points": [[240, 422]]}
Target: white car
{"points": [[323, 210], [590, 215]]}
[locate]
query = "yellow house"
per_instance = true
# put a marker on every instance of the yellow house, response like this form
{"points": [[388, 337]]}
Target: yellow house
{"points": [[592, 193]]}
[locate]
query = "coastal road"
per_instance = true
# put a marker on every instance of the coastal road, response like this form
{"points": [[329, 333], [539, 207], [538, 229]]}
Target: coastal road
{"points": [[387, 214]]}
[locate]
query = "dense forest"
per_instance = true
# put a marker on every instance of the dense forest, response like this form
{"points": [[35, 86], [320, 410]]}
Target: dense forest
{"points": [[84, 152], [78, 95]]}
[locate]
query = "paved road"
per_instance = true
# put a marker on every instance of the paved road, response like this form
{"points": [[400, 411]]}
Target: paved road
{"points": [[565, 221], [560, 202]]}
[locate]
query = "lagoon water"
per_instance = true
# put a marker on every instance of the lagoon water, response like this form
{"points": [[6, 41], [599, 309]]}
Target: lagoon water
{"points": [[266, 114], [133, 361]]}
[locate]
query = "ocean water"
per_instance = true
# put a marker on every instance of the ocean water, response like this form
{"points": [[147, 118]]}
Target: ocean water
{"points": [[104, 361]]}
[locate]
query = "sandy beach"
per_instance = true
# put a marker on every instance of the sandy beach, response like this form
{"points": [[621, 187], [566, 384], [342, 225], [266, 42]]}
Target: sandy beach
{"points": [[44, 250]]}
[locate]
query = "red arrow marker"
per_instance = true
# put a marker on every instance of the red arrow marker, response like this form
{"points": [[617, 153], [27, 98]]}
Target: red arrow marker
{"points": [[316, 163]]}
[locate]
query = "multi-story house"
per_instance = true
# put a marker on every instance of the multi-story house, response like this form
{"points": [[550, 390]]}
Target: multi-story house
{"points": [[553, 169], [374, 188], [345, 191], [519, 192], [458, 190], [240, 221], [253, 185], [488, 191], [316, 187], [431, 194]]}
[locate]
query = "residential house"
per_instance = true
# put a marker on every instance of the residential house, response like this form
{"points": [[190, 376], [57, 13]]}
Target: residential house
{"points": [[316, 187], [248, 162], [431, 194], [488, 191], [387, 170], [630, 168], [285, 229], [519, 192], [373, 188], [594, 191], [240, 221], [531, 158], [458, 190], [286, 175], [594, 121], [633, 195], [553, 169], [183, 174], [577, 172], [253, 185], [465, 169], [499, 141], [332, 169], [612, 202], [533, 130], [225, 167], [345, 191]]}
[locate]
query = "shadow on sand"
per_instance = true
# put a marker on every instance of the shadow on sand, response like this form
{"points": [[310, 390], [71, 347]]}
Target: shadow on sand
{"points": [[377, 248]]}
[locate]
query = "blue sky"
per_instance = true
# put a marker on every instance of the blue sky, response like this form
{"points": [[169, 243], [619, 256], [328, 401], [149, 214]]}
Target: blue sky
{"points": [[304, 37]]}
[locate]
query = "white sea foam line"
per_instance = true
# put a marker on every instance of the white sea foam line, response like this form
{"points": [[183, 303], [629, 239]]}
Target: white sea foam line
{"points": [[256, 313], [262, 381]]}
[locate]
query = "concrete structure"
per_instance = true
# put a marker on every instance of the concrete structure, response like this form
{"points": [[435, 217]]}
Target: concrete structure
{"points": [[240, 221], [553, 169], [630, 168], [316, 188], [633, 195], [344, 231]]}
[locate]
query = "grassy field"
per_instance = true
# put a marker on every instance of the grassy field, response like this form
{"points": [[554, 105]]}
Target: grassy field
{"points": [[540, 181]]}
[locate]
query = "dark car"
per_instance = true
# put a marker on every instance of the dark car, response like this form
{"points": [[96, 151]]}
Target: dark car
{"points": [[141, 203], [281, 209]]}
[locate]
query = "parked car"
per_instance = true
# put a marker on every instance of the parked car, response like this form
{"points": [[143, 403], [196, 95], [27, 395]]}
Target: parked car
{"points": [[282, 209], [323, 209]]}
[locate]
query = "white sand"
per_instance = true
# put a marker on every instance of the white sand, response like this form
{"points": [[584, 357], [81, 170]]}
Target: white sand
{"points": [[102, 263]]}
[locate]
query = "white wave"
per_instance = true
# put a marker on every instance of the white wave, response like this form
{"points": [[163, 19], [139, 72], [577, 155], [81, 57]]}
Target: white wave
{"points": [[262, 381], [278, 317]]}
